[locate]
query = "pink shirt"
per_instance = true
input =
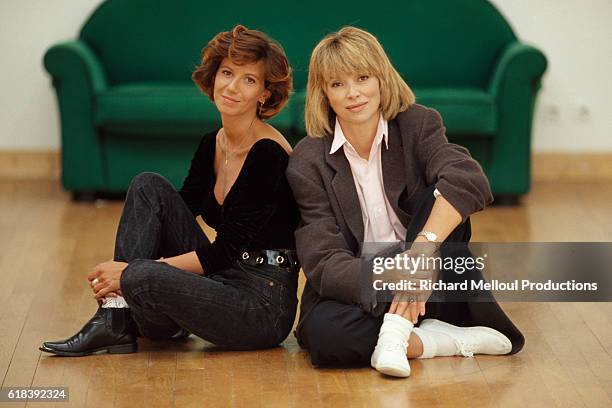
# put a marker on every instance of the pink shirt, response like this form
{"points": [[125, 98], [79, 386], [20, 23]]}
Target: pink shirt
{"points": [[379, 220]]}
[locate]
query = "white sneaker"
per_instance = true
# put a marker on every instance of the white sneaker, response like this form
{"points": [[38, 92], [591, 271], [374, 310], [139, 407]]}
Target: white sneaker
{"points": [[390, 358], [471, 340]]}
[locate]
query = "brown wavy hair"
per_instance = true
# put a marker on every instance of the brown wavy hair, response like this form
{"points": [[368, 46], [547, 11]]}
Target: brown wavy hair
{"points": [[244, 46]]}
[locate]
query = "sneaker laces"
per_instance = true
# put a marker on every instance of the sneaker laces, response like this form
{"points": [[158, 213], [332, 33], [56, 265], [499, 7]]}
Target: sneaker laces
{"points": [[466, 347]]}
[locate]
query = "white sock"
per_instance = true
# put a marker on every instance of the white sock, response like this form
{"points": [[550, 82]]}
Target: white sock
{"points": [[395, 328], [118, 302], [436, 344]]}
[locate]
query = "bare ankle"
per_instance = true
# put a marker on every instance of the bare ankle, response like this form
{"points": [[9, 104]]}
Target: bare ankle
{"points": [[415, 346]]}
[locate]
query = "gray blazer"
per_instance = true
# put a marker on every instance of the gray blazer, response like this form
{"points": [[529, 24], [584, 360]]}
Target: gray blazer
{"points": [[331, 230]]}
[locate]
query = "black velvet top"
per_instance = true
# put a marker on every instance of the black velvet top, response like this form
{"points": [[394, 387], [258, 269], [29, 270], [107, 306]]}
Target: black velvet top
{"points": [[259, 211]]}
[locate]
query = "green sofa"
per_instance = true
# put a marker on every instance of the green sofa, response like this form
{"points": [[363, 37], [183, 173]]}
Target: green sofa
{"points": [[127, 103]]}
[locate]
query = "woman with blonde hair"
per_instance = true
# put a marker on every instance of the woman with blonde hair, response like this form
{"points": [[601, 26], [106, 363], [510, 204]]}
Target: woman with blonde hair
{"points": [[378, 167], [167, 279]]}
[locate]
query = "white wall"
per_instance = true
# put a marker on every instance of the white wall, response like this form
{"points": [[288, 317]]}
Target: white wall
{"points": [[29, 116], [573, 112]]}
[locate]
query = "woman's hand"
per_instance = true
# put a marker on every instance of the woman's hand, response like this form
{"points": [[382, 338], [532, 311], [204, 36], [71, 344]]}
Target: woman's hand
{"points": [[408, 307], [108, 275], [411, 304]]}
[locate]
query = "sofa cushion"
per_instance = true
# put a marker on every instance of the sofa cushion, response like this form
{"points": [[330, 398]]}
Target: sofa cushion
{"points": [[465, 110], [176, 108]]}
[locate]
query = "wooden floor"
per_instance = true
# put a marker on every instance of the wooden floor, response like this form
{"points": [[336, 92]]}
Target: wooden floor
{"points": [[48, 243]]}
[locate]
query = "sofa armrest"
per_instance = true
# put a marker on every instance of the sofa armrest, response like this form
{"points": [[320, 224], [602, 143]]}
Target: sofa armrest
{"points": [[514, 86], [77, 77], [520, 62], [75, 57]]}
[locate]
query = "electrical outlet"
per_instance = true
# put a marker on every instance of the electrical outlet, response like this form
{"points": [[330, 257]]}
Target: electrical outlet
{"points": [[552, 112], [583, 113]]}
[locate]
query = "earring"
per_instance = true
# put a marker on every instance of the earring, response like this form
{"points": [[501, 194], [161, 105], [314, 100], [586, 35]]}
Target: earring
{"points": [[260, 109]]}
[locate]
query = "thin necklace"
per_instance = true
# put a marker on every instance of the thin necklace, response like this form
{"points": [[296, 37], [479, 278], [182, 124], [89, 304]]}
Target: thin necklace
{"points": [[229, 155]]}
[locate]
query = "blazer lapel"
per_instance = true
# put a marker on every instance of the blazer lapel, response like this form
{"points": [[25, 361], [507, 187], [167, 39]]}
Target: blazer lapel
{"points": [[393, 169], [344, 188]]}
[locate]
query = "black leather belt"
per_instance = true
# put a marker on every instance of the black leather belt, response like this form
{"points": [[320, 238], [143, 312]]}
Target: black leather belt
{"points": [[284, 258]]}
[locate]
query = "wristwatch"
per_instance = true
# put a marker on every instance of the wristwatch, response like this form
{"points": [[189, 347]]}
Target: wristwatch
{"points": [[429, 236]]}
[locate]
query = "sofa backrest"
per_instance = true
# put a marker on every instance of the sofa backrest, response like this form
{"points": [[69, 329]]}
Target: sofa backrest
{"points": [[431, 42]]}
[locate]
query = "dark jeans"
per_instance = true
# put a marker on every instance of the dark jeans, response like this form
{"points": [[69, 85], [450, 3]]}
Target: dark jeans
{"points": [[243, 307], [338, 334]]}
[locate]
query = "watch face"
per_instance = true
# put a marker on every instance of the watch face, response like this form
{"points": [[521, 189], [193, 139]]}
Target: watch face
{"points": [[431, 236]]}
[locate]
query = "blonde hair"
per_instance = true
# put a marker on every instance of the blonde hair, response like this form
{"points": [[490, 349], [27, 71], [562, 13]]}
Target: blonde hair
{"points": [[349, 51]]}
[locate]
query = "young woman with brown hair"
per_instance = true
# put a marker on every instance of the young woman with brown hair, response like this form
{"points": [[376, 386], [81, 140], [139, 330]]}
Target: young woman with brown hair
{"points": [[167, 279]]}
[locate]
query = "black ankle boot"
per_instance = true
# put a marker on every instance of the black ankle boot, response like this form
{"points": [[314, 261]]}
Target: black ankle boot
{"points": [[110, 330]]}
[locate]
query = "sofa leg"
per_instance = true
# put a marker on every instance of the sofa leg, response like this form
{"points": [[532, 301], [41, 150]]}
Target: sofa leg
{"points": [[506, 200], [84, 196]]}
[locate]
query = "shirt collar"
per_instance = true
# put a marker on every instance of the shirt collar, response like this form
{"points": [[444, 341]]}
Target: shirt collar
{"points": [[382, 132]]}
